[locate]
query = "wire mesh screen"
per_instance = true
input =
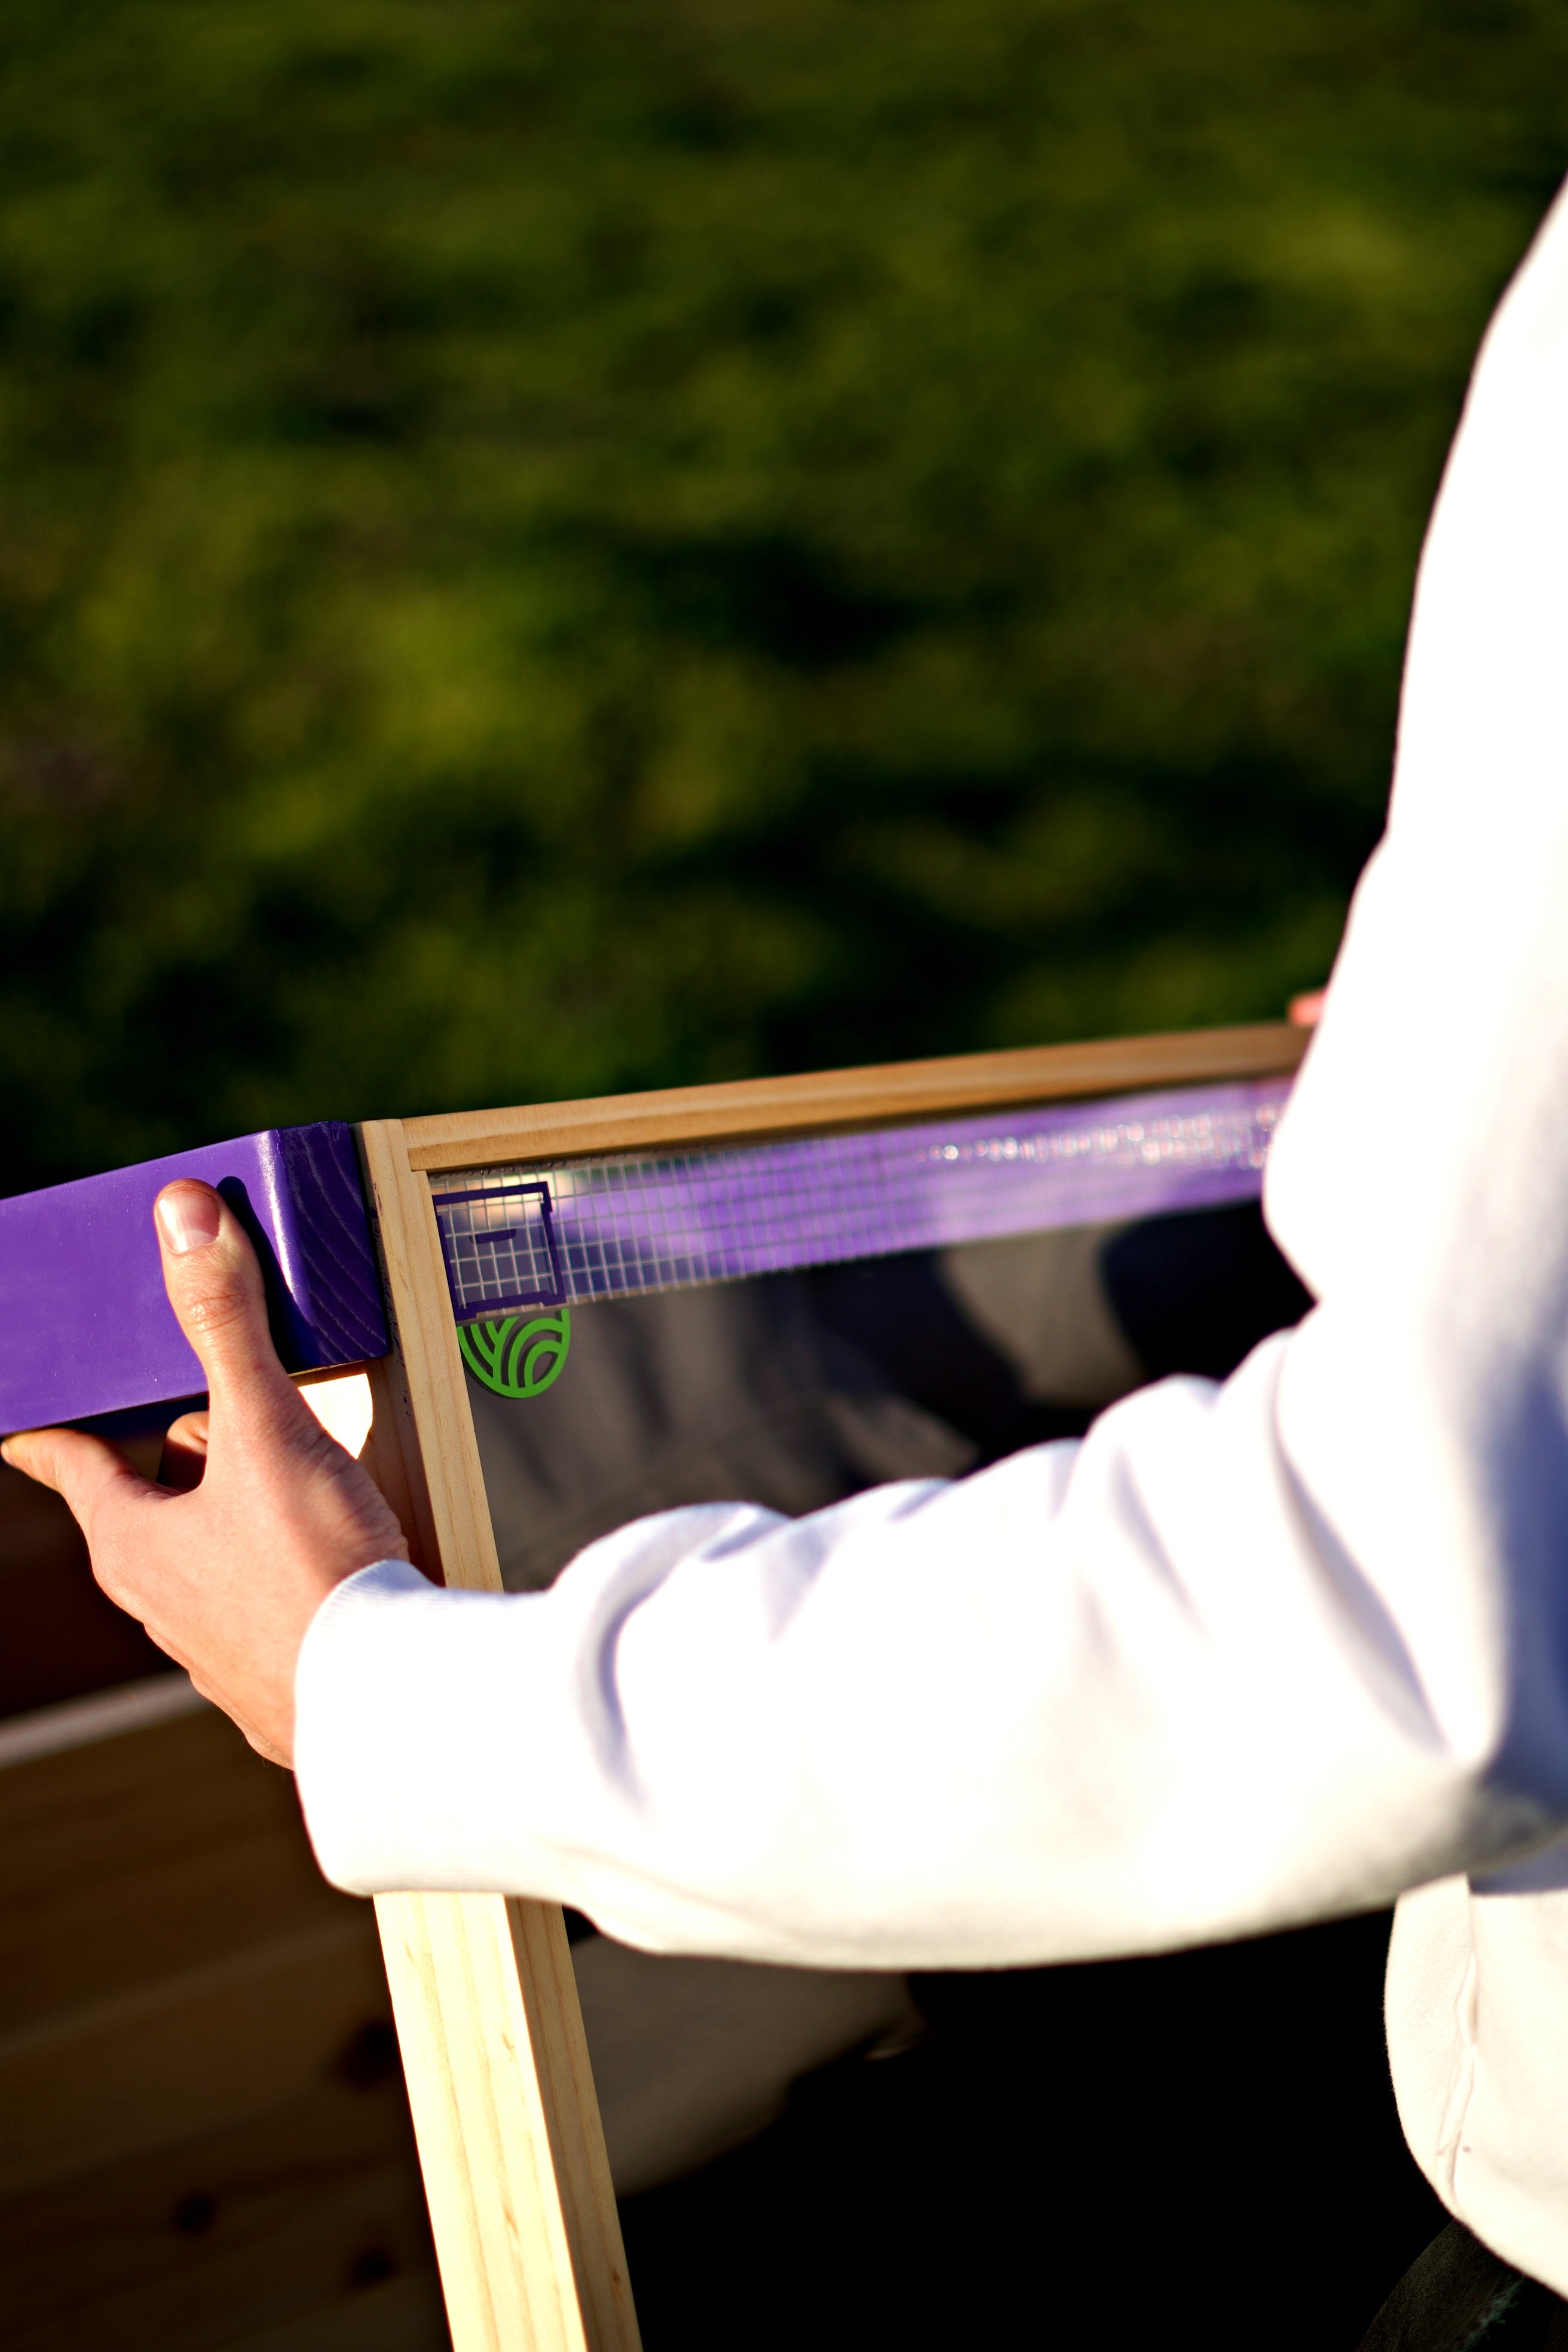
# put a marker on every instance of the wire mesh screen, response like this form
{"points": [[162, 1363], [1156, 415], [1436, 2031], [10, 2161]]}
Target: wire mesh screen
{"points": [[568, 1231], [498, 1242]]}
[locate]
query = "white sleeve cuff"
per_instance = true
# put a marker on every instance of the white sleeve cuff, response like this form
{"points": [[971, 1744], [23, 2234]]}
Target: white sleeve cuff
{"points": [[461, 1741], [384, 1693]]}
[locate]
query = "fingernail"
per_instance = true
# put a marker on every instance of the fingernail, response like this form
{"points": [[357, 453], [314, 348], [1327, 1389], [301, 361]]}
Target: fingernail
{"points": [[187, 1217]]}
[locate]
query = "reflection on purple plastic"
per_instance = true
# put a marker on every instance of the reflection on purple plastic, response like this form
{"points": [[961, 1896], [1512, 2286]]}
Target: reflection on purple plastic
{"points": [[85, 1328], [615, 1228]]}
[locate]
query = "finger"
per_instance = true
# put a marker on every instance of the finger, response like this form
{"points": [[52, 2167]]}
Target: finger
{"points": [[88, 1474], [215, 1290], [184, 1454]]}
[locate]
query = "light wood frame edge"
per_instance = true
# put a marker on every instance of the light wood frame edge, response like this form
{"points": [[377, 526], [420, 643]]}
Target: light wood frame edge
{"points": [[516, 2177], [824, 1100]]}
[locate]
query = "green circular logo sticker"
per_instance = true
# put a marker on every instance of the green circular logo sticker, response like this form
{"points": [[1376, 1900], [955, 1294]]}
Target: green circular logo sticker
{"points": [[517, 1356]]}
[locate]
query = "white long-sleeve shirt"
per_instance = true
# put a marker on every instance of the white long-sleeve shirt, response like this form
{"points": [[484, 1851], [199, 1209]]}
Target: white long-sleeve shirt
{"points": [[1246, 1656]]}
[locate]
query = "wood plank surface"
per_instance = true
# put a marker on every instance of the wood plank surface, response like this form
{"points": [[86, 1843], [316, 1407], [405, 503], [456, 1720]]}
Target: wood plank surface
{"points": [[126, 1861], [60, 1634], [202, 2129], [297, 2221], [824, 1100], [193, 2049], [405, 2315], [497, 2067]]}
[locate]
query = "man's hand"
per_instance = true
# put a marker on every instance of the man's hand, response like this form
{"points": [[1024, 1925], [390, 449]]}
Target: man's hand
{"points": [[257, 1513]]}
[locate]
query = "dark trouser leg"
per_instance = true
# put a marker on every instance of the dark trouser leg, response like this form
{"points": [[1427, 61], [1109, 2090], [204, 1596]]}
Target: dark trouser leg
{"points": [[1459, 2297]]}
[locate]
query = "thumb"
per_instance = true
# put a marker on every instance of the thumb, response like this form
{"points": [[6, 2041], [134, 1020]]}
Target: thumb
{"points": [[215, 1290], [87, 1475]]}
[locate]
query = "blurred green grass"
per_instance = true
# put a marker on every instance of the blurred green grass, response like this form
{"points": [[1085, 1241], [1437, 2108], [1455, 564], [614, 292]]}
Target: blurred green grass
{"points": [[549, 548]]}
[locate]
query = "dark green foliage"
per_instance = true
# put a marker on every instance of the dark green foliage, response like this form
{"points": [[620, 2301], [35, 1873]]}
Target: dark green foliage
{"points": [[552, 546]]}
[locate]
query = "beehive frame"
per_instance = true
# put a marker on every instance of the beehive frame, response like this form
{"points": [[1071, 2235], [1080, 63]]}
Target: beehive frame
{"points": [[499, 2084]]}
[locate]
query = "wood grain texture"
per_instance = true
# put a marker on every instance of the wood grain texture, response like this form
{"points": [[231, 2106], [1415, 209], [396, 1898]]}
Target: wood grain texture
{"points": [[427, 1370], [824, 1100], [195, 2050], [497, 2067], [203, 2132], [293, 2207], [60, 1634], [404, 2315], [391, 1454], [124, 1862], [519, 2188]]}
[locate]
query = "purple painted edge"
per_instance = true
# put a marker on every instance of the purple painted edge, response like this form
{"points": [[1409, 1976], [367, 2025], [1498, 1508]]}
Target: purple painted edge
{"points": [[85, 1328]]}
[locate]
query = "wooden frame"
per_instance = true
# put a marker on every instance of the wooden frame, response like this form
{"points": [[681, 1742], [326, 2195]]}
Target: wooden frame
{"points": [[519, 2187]]}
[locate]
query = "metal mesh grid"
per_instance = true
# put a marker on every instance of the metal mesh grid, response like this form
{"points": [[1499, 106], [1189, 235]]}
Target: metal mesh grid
{"points": [[499, 1248], [573, 1230]]}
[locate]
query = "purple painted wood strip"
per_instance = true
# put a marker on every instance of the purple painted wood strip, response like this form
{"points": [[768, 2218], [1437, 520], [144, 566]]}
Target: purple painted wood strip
{"points": [[85, 1328]]}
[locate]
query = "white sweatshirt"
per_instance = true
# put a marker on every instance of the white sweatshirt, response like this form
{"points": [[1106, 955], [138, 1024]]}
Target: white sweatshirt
{"points": [[1246, 1656]]}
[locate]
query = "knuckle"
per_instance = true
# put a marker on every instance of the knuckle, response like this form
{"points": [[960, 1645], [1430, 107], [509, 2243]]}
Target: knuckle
{"points": [[114, 1577], [220, 1304]]}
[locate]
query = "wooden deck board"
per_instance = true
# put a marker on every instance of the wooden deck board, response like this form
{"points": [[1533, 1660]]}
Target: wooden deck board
{"points": [[204, 2135]]}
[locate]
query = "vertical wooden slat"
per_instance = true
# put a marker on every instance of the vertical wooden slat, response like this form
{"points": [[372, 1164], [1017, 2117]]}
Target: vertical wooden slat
{"points": [[499, 2079]]}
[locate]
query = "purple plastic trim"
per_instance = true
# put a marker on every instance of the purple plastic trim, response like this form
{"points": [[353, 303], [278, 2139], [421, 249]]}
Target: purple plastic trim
{"points": [[530, 1264], [85, 1328], [617, 1228]]}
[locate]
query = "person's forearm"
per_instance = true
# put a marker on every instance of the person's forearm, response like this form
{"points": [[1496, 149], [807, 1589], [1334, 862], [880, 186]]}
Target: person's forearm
{"points": [[1102, 1698]]}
